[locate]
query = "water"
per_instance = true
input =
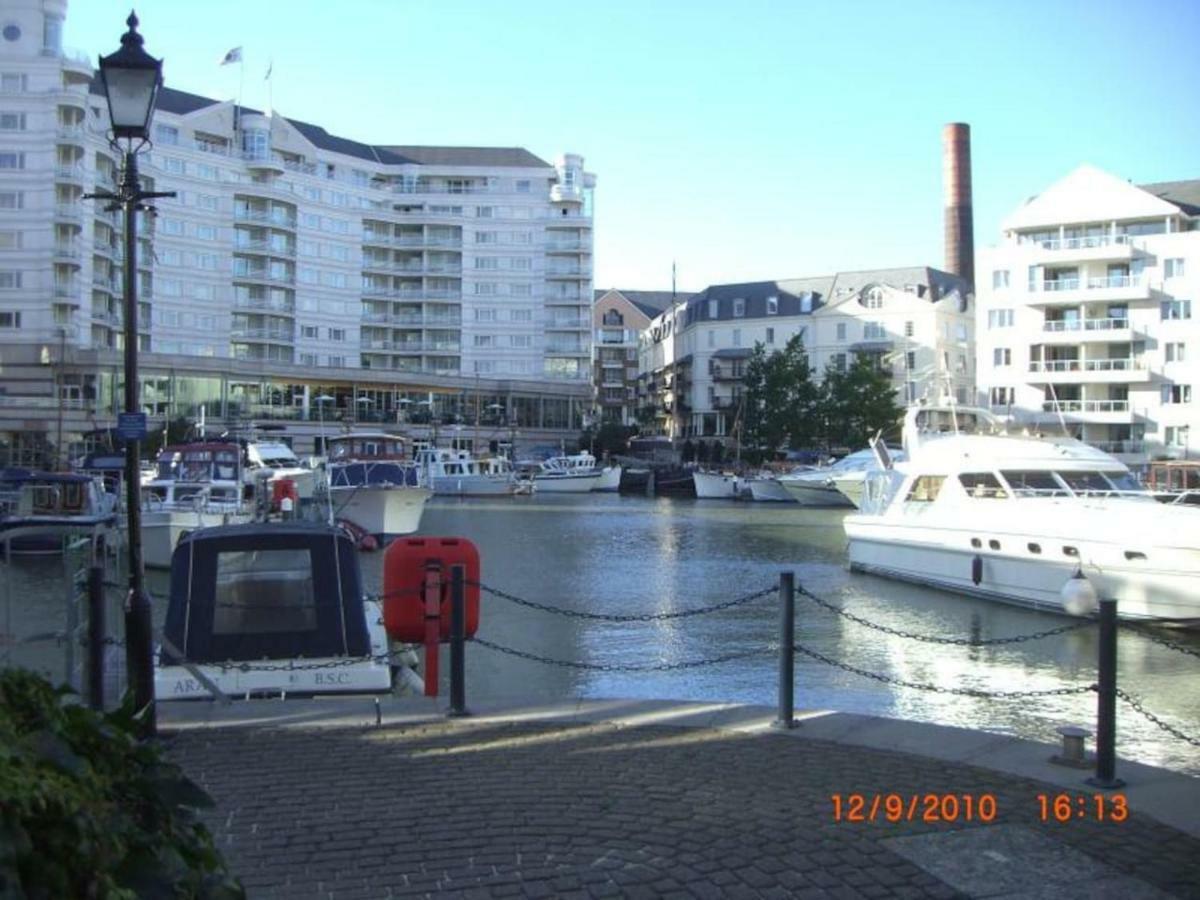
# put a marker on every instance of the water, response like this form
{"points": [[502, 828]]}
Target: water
{"points": [[615, 554]]}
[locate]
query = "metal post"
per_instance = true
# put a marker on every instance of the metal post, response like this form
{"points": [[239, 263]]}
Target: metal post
{"points": [[433, 624], [96, 629], [1106, 702], [458, 640], [139, 639], [787, 652]]}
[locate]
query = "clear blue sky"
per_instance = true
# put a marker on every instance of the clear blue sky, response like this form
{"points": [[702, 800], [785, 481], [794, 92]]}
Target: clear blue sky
{"points": [[745, 140]]}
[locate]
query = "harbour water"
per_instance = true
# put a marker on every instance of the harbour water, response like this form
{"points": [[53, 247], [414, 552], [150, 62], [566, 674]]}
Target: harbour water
{"points": [[632, 555]]}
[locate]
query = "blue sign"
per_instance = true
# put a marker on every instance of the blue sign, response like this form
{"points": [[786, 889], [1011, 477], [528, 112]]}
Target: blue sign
{"points": [[131, 426]]}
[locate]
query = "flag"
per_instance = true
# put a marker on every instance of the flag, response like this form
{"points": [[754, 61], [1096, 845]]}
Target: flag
{"points": [[270, 66], [234, 55]]}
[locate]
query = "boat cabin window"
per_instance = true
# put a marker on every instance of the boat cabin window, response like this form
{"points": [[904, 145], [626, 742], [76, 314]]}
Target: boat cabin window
{"points": [[925, 489], [1033, 483], [976, 543], [1124, 481], [1086, 482], [983, 485], [994, 544], [1070, 551], [264, 592], [1134, 554]]}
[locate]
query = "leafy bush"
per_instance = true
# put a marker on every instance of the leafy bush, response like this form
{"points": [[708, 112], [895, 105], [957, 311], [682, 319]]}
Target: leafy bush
{"points": [[86, 810]]}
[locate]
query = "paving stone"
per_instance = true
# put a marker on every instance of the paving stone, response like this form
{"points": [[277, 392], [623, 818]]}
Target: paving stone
{"points": [[545, 809]]}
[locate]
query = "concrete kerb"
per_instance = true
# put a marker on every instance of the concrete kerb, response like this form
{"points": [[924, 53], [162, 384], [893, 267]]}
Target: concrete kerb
{"points": [[1168, 797]]}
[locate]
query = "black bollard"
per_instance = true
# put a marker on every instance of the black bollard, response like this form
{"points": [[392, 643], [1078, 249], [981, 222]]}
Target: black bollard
{"points": [[139, 658], [787, 651], [458, 639], [1106, 701], [96, 629]]}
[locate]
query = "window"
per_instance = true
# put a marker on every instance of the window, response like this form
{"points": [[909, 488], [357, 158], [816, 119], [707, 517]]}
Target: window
{"points": [[522, 186], [839, 362], [1001, 356], [773, 305], [1173, 435], [12, 121], [308, 359], [486, 289], [770, 336], [712, 338], [12, 200], [485, 315], [874, 298], [483, 340], [487, 262], [1175, 394], [485, 237], [336, 362], [1000, 280], [12, 160], [982, 486], [739, 307], [10, 320], [521, 340], [1000, 318], [873, 331], [166, 134], [713, 308], [737, 337], [909, 328], [520, 290], [960, 332], [521, 315], [1173, 268], [910, 360], [52, 34], [309, 332], [337, 334], [841, 331], [521, 263], [484, 212], [806, 302], [13, 83], [1001, 396], [1175, 309], [925, 489], [1176, 351], [10, 240], [1032, 483], [10, 280]]}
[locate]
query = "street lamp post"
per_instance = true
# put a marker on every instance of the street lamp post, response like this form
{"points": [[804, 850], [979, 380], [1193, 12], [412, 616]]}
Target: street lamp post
{"points": [[131, 80]]}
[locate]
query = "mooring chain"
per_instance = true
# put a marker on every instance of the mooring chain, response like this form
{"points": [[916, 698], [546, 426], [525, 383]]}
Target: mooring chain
{"points": [[631, 617], [1168, 728], [1161, 641], [939, 689], [623, 667], [936, 639]]}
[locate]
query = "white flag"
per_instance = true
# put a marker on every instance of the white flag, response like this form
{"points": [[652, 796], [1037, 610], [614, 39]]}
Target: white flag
{"points": [[234, 55]]}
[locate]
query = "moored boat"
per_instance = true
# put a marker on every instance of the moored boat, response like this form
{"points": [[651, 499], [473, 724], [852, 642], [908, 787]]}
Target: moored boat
{"points": [[373, 483], [574, 474], [1011, 517], [459, 474], [715, 485], [38, 508]]}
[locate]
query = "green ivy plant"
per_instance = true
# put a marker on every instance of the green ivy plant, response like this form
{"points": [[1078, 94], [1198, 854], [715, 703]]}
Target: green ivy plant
{"points": [[88, 811]]}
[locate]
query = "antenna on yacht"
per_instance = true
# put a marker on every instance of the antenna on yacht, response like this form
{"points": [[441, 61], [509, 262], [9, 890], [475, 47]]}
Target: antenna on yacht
{"points": [[1062, 422]]}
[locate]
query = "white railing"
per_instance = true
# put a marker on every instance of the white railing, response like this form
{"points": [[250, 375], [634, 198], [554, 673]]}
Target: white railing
{"points": [[265, 247], [253, 215], [1087, 243], [260, 334], [1086, 406], [1108, 324], [263, 303], [1119, 446], [1091, 284], [1121, 364]]}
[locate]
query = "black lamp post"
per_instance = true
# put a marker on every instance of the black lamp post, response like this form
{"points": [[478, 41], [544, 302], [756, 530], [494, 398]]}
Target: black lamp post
{"points": [[131, 79]]}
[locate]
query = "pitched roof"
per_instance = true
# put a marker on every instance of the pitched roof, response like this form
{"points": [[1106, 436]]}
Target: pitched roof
{"points": [[940, 283], [181, 103], [651, 303], [1184, 194], [1087, 194]]}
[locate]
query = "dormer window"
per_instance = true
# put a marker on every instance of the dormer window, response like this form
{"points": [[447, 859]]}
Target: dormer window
{"points": [[739, 307], [873, 298], [712, 309], [806, 302], [773, 305]]}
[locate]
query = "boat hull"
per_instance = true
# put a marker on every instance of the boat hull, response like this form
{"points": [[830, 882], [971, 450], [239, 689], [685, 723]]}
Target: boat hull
{"points": [[473, 485], [851, 487], [384, 511], [610, 479], [715, 486], [566, 484], [162, 529], [769, 490], [815, 493], [944, 558]]}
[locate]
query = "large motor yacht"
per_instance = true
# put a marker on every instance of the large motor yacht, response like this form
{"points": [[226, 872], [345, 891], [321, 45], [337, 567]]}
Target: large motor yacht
{"points": [[981, 509]]}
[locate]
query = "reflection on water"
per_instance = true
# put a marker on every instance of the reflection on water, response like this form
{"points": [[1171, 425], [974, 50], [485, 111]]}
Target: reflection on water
{"points": [[613, 554]]}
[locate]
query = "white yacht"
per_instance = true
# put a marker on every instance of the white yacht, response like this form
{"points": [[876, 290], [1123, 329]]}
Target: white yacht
{"points": [[574, 474], [373, 484], [276, 461], [1004, 516], [195, 486], [459, 474], [716, 485], [818, 487]]}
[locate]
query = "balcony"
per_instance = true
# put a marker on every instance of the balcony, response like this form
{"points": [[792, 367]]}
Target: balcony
{"points": [[722, 373], [75, 134], [265, 248], [67, 213], [71, 175], [569, 272], [570, 193], [264, 275], [1121, 370], [269, 218], [1081, 331], [272, 335], [1073, 291], [264, 304], [259, 163], [67, 253], [579, 324], [1099, 248], [567, 246], [111, 319], [1100, 412]]}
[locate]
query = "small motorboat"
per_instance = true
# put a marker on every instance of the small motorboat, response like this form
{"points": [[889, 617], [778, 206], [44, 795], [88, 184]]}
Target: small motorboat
{"points": [[270, 608]]}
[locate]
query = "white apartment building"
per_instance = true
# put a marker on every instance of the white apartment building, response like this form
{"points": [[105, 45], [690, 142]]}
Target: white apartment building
{"points": [[401, 283], [915, 322], [1085, 316]]}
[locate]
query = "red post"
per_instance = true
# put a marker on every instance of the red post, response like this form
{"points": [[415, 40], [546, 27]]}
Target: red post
{"points": [[433, 625]]}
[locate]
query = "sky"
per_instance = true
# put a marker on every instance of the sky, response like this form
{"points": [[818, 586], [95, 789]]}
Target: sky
{"points": [[741, 141]]}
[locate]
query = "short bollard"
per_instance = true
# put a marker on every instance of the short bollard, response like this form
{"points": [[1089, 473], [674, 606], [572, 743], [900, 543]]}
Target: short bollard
{"points": [[96, 629], [1106, 701], [458, 640], [787, 651]]}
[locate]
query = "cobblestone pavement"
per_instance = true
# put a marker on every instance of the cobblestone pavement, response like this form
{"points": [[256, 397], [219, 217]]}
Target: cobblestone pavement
{"points": [[543, 809]]}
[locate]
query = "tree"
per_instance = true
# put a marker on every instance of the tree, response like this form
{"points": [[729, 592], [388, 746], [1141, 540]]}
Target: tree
{"points": [[688, 451], [780, 401], [609, 438], [857, 403]]}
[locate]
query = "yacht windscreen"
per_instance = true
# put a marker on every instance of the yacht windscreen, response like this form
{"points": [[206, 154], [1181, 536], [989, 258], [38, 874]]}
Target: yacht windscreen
{"points": [[983, 485], [264, 592], [1124, 481], [1033, 482], [1086, 482]]}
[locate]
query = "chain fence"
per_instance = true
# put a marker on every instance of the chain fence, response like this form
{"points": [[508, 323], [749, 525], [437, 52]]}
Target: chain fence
{"points": [[625, 667], [628, 617], [1151, 717], [1149, 635]]}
